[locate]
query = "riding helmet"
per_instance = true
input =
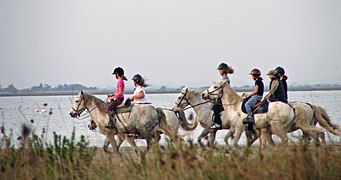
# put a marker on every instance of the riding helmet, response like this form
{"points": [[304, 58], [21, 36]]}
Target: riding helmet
{"points": [[119, 71], [255, 71], [279, 70], [222, 66], [137, 78]]}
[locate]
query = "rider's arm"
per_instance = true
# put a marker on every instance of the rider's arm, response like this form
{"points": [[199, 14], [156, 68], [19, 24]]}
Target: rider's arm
{"points": [[253, 92], [137, 96], [273, 88]]}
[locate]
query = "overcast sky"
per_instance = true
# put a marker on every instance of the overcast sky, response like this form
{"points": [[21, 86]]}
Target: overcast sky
{"points": [[171, 42]]}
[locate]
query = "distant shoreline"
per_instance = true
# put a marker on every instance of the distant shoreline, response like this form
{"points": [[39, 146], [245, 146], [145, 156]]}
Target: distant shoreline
{"points": [[149, 91]]}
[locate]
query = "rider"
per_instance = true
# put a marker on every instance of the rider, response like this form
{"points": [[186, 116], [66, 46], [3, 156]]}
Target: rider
{"points": [[139, 94], [284, 79], [224, 70], [276, 88], [118, 97], [255, 95]]}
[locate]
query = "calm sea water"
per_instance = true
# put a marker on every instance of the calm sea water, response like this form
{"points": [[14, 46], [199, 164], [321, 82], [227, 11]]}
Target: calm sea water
{"points": [[16, 111]]}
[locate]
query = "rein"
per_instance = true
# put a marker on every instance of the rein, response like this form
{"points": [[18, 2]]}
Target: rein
{"points": [[191, 106], [220, 95]]}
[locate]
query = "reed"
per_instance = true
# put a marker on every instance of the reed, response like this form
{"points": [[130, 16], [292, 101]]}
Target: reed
{"points": [[67, 159]]}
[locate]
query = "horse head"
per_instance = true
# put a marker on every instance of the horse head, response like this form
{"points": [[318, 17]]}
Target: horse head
{"points": [[214, 92], [78, 105], [182, 100]]}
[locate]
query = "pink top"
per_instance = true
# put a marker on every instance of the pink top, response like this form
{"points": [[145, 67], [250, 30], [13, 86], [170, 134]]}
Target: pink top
{"points": [[120, 84]]}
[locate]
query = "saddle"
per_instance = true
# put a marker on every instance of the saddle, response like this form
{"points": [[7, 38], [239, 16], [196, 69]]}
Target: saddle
{"points": [[258, 108], [124, 107]]}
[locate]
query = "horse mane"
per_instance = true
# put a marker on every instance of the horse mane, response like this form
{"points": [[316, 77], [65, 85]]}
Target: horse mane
{"points": [[231, 92], [195, 90], [101, 105]]}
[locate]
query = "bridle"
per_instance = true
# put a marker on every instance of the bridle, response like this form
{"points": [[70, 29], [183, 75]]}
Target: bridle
{"points": [[220, 94], [183, 98], [79, 111], [187, 101]]}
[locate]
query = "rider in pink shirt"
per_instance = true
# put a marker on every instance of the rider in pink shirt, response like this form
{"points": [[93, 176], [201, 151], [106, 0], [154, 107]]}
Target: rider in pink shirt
{"points": [[118, 97]]}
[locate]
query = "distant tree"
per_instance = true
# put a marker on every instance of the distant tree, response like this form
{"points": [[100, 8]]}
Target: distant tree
{"points": [[11, 89], [163, 88]]}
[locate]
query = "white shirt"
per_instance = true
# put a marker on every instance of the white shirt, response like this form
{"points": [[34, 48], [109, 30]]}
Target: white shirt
{"points": [[143, 100]]}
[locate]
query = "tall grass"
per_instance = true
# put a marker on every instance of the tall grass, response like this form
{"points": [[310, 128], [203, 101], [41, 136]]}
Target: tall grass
{"points": [[67, 159]]}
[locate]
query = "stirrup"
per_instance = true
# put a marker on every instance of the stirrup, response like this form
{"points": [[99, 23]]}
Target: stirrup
{"points": [[216, 126], [248, 120]]}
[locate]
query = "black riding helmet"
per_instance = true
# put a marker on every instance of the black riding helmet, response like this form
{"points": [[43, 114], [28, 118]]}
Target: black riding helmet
{"points": [[119, 71], [279, 70], [137, 78], [222, 66]]}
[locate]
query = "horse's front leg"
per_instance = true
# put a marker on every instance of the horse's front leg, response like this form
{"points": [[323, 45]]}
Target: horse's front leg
{"points": [[106, 146], [203, 134], [238, 133], [111, 138], [229, 134]]}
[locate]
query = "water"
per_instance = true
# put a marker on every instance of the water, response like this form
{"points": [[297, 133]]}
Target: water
{"points": [[16, 111]]}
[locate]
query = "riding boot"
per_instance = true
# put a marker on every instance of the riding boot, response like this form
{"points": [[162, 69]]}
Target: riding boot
{"points": [[111, 123], [248, 120]]}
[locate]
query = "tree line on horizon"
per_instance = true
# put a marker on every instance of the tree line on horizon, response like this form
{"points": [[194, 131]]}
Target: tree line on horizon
{"points": [[11, 89], [46, 88]]}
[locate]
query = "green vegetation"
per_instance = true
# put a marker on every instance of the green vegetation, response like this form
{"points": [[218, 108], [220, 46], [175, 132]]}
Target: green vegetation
{"points": [[67, 159]]}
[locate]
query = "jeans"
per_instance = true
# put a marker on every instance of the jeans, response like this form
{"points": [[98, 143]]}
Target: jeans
{"points": [[251, 102]]}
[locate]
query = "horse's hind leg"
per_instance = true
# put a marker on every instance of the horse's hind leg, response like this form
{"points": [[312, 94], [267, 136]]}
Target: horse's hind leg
{"points": [[212, 137], [132, 143]]}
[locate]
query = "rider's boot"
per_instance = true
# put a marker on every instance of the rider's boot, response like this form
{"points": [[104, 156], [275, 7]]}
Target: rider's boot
{"points": [[110, 123], [249, 120]]}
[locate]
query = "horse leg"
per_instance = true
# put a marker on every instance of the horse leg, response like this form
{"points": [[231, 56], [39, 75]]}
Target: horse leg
{"points": [[212, 137], [204, 133], [266, 138], [237, 135], [120, 140], [112, 141], [106, 145], [278, 129], [228, 135], [131, 142]]}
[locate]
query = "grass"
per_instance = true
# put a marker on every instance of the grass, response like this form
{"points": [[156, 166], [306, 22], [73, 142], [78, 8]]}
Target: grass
{"points": [[67, 159]]}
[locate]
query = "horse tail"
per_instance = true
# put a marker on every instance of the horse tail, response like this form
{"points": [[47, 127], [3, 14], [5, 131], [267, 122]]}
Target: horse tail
{"points": [[301, 119], [323, 119], [184, 123], [163, 124], [162, 116]]}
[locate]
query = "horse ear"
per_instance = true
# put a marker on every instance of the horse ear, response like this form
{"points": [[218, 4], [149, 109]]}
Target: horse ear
{"points": [[81, 93]]}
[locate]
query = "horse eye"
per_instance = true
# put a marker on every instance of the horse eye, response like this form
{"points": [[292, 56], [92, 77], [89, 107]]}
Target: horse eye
{"points": [[215, 87], [77, 101]]}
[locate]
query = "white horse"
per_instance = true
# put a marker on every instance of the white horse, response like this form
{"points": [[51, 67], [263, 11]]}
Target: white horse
{"points": [[308, 115], [175, 119], [279, 118], [203, 109], [143, 120]]}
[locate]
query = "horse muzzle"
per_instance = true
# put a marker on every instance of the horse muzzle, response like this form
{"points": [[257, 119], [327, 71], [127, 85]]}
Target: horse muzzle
{"points": [[74, 114]]}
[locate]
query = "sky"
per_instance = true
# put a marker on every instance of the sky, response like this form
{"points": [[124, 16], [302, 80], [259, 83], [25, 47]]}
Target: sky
{"points": [[169, 42]]}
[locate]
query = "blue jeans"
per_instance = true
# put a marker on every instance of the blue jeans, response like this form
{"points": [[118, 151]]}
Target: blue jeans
{"points": [[252, 101]]}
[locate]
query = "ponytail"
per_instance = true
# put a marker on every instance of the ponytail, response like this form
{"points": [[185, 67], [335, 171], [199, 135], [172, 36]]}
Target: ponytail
{"points": [[124, 78]]}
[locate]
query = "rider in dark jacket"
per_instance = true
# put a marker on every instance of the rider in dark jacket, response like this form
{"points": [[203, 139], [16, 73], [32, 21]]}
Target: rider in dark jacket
{"points": [[276, 88], [281, 72]]}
